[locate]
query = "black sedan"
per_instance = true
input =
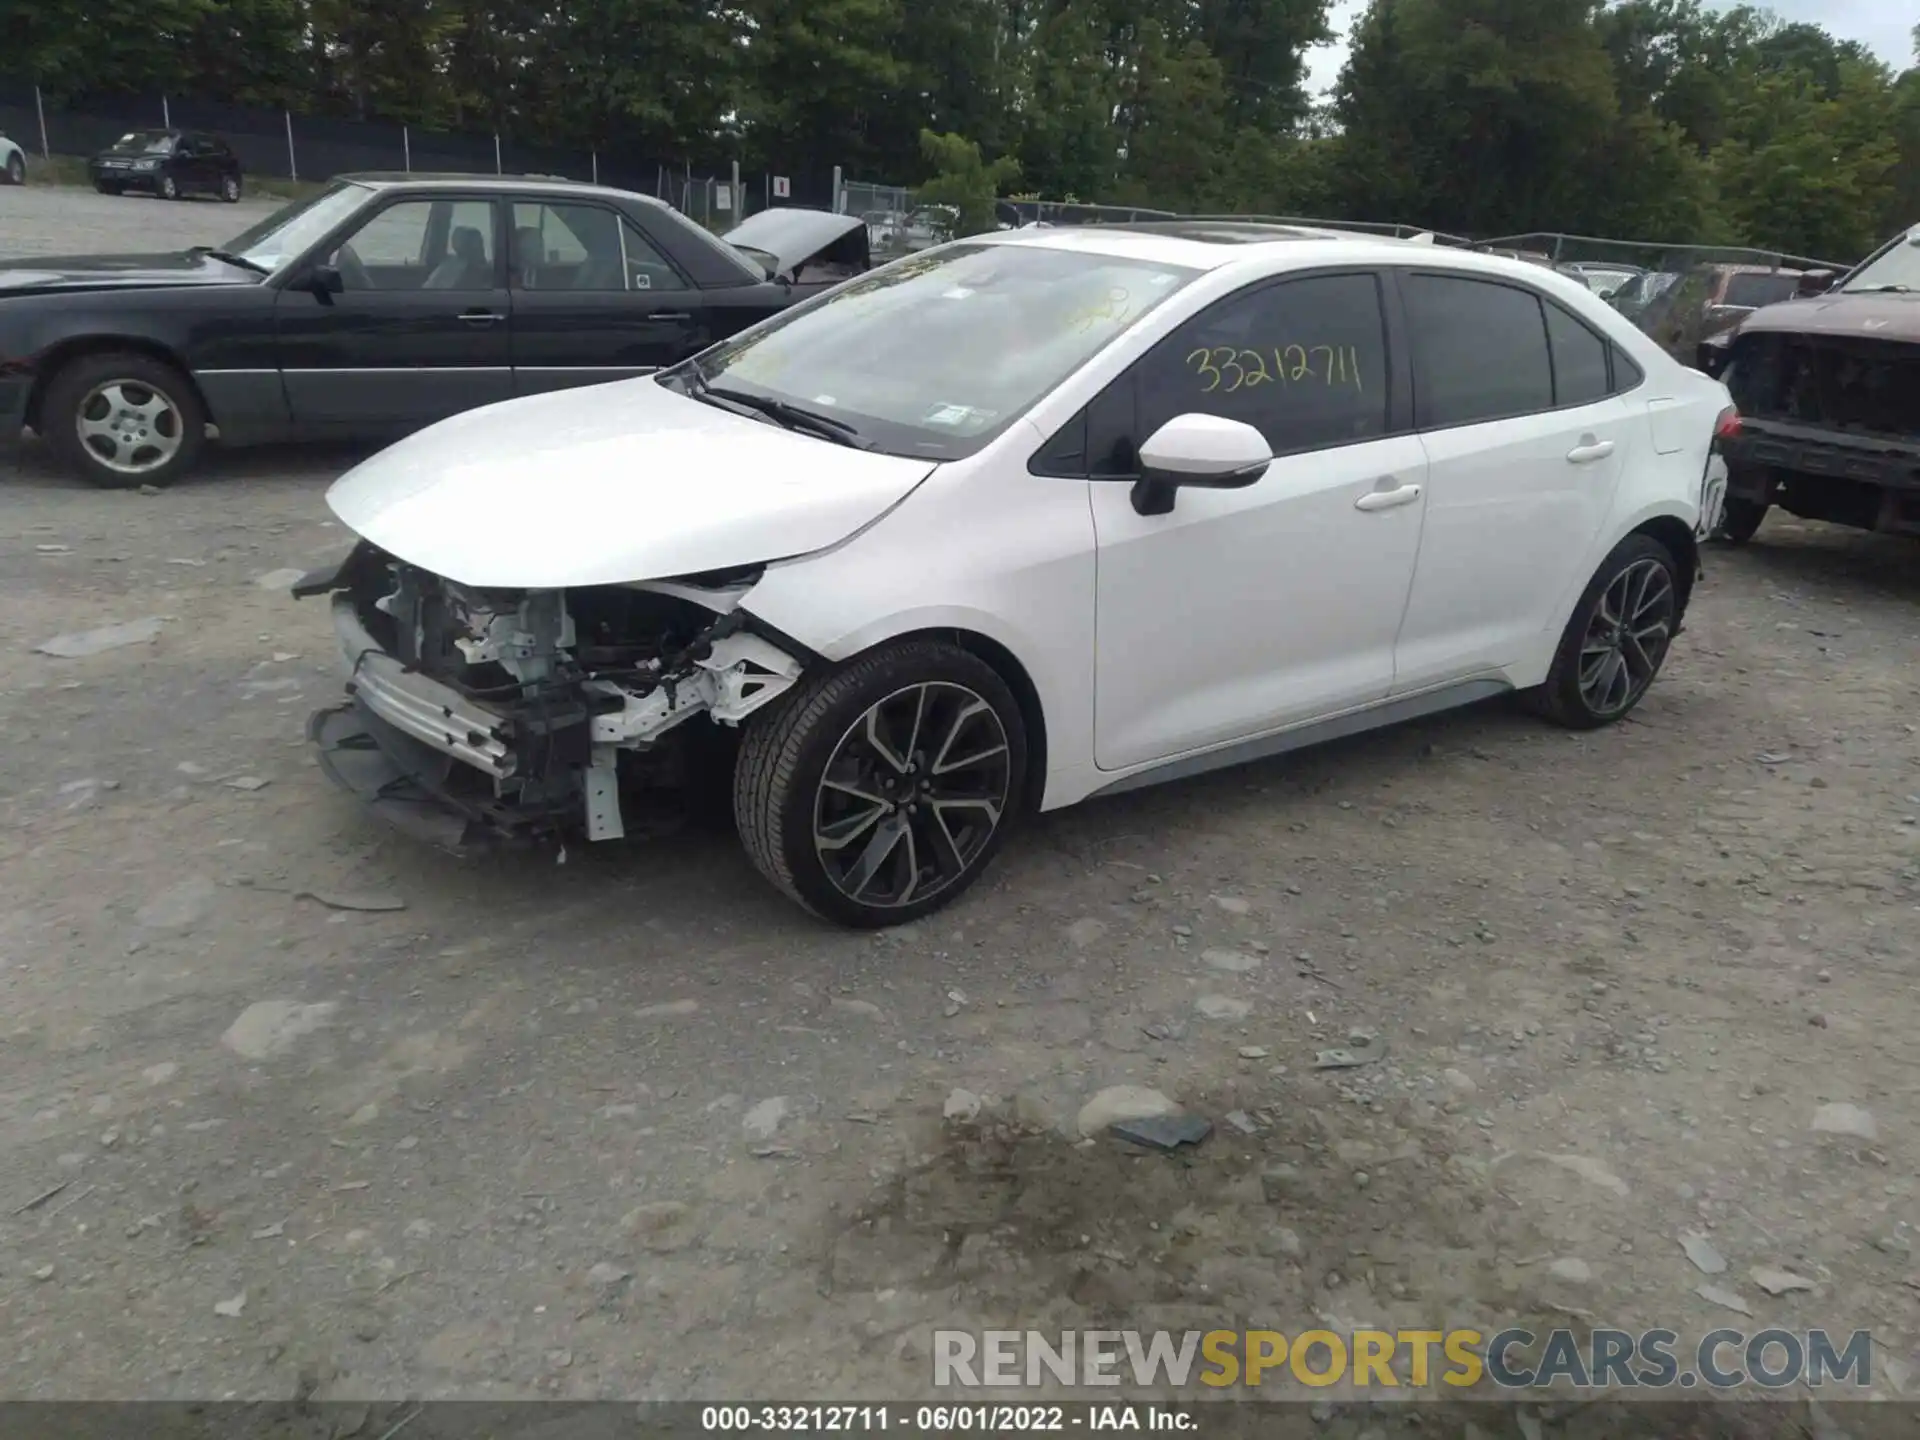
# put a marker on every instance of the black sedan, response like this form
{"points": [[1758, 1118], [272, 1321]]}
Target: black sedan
{"points": [[381, 304], [172, 164]]}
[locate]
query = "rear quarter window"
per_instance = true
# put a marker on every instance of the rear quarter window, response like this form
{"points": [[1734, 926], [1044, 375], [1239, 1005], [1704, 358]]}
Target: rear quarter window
{"points": [[1754, 291]]}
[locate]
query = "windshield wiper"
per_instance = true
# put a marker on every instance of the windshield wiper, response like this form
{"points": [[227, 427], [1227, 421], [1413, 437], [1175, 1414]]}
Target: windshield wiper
{"points": [[794, 417], [231, 259]]}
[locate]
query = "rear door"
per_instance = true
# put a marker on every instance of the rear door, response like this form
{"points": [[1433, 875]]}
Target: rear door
{"points": [[1526, 442], [593, 298], [420, 329]]}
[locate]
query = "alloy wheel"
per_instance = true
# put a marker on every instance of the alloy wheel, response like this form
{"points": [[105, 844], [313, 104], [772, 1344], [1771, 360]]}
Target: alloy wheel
{"points": [[168, 189], [129, 427], [912, 794], [1627, 637], [230, 188]]}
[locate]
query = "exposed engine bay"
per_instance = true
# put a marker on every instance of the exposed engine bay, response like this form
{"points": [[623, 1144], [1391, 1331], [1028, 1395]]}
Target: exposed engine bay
{"points": [[533, 711]]}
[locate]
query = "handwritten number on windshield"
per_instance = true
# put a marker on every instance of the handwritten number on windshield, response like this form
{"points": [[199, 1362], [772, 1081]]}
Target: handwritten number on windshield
{"points": [[1227, 368], [1111, 306]]}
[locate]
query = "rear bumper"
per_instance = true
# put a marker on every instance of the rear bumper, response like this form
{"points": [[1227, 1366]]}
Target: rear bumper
{"points": [[1807, 450]]}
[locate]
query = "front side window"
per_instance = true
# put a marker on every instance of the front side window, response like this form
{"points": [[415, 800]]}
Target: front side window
{"points": [[1479, 350], [1302, 361], [1895, 269], [938, 353], [1747, 290], [421, 245]]}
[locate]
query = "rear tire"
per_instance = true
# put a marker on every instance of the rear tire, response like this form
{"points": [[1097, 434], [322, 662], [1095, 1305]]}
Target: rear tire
{"points": [[230, 189], [1616, 641], [120, 419], [1740, 520], [16, 170], [879, 791]]}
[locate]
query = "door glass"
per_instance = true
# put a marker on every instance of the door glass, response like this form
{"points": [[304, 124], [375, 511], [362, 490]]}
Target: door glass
{"points": [[1579, 360], [1479, 351], [1303, 361], [421, 245]]}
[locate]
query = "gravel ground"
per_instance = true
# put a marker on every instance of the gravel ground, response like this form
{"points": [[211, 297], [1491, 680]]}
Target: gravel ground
{"points": [[57, 220], [634, 1126]]}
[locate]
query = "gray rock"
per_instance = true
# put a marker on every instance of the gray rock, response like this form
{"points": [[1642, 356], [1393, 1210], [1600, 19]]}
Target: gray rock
{"points": [[1253, 1052], [1460, 1082], [1714, 1295], [271, 1027], [82, 643], [1122, 1102], [763, 1119], [278, 579], [606, 1274], [1232, 904], [666, 1009], [962, 1105], [1839, 1118], [1243, 1122], [1233, 962], [1592, 1171], [1779, 1282], [1572, 1270], [1222, 1007], [1700, 1250]]}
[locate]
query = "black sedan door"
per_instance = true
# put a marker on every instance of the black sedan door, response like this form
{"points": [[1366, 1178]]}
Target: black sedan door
{"points": [[594, 299], [418, 329]]}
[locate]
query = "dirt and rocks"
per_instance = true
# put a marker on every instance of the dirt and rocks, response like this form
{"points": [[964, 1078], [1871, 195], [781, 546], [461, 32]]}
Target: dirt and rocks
{"points": [[291, 1108]]}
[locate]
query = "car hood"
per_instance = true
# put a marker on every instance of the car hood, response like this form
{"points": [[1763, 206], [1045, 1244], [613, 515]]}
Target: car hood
{"points": [[610, 484], [110, 272], [792, 236], [1884, 316]]}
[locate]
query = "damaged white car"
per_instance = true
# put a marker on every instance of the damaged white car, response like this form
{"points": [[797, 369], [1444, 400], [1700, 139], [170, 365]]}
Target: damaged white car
{"points": [[1010, 523]]}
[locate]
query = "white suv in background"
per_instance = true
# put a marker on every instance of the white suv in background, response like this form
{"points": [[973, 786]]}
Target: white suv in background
{"points": [[1013, 522]]}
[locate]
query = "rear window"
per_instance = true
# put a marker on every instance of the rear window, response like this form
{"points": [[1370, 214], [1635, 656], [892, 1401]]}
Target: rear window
{"points": [[1753, 291]]}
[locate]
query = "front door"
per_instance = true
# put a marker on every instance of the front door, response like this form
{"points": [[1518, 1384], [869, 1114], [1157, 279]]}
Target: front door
{"points": [[1527, 443], [1243, 612], [594, 299], [419, 330]]}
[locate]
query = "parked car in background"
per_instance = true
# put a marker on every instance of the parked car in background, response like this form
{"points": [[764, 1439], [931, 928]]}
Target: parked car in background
{"points": [[382, 303], [13, 161], [171, 164], [1032, 517], [806, 249], [1638, 293], [1604, 280], [1828, 389]]}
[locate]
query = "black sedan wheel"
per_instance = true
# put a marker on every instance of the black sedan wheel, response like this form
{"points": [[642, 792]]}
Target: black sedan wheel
{"points": [[1617, 639], [16, 170], [876, 793], [1740, 520], [122, 420], [167, 188], [230, 189]]}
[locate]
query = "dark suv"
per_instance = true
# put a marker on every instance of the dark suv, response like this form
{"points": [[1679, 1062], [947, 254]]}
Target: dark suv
{"points": [[169, 163], [1828, 389]]}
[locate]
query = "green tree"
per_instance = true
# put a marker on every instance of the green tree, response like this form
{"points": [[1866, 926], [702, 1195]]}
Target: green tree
{"points": [[965, 181]]}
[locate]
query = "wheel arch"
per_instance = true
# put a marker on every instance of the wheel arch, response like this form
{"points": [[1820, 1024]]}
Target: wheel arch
{"points": [[1004, 663], [62, 354], [1680, 541]]}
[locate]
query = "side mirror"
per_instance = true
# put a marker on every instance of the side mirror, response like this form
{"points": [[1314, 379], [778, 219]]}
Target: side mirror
{"points": [[326, 280], [1205, 451], [1816, 282]]}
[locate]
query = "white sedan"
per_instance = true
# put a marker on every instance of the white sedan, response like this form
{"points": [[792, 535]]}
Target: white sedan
{"points": [[13, 162], [1017, 521]]}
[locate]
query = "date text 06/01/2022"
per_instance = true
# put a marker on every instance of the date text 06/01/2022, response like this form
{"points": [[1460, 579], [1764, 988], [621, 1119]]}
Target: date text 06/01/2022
{"points": [[940, 1419]]}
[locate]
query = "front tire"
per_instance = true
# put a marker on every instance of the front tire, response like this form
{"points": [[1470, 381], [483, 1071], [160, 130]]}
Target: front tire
{"points": [[230, 189], [123, 419], [1740, 520], [167, 188], [879, 791], [1617, 640]]}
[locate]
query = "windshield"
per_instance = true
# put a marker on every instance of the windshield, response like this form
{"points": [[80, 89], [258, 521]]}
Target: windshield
{"points": [[936, 354], [766, 262], [290, 231], [1897, 267], [154, 142]]}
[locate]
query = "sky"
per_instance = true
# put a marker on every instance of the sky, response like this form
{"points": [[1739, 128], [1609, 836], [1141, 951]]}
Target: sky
{"points": [[1884, 26]]}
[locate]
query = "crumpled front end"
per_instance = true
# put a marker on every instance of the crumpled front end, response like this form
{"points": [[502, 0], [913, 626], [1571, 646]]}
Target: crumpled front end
{"points": [[477, 715]]}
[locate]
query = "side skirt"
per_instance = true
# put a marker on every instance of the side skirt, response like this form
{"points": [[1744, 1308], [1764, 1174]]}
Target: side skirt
{"points": [[1315, 732]]}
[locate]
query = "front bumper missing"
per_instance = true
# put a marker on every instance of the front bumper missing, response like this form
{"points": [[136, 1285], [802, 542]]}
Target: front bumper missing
{"points": [[417, 705], [403, 782]]}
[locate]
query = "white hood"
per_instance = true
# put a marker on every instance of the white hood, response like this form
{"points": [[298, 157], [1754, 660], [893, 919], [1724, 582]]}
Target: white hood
{"points": [[608, 484]]}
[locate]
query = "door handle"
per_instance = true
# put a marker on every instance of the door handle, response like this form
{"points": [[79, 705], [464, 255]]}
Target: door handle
{"points": [[1388, 499], [670, 315], [480, 317], [1590, 450]]}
